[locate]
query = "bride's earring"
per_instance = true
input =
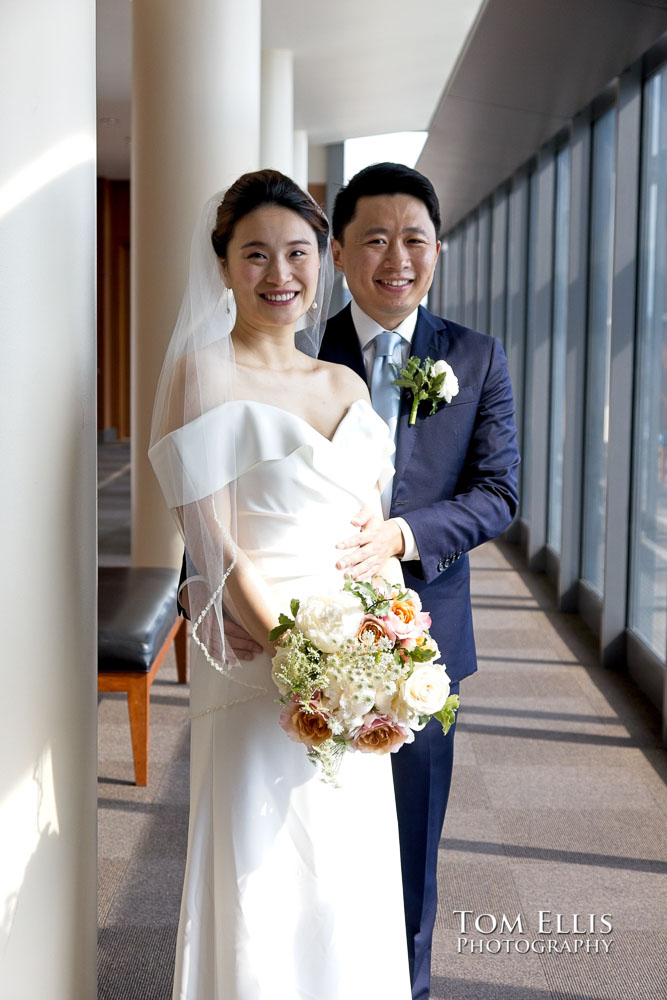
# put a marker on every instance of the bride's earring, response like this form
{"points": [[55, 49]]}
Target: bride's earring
{"points": [[227, 294], [314, 306]]}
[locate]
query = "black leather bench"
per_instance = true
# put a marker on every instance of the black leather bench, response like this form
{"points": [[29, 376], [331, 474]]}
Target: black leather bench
{"points": [[137, 623]]}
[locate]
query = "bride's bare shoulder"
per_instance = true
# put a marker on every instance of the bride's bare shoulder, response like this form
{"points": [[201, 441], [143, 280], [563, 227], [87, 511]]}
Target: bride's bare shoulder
{"points": [[342, 381]]}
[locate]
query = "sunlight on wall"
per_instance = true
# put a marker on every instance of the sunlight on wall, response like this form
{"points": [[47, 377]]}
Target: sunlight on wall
{"points": [[28, 813], [51, 164]]}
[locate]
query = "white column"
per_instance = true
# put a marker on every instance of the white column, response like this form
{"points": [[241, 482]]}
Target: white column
{"points": [[48, 707], [195, 129], [317, 164], [277, 110], [300, 158]]}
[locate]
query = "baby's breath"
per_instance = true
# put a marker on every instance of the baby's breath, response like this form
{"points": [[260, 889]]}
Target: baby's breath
{"points": [[304, 670]]}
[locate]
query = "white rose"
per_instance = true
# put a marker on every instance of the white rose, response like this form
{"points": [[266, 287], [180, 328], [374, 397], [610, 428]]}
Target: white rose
{"points": [[450, 385], [329, 619], [426, 690]]}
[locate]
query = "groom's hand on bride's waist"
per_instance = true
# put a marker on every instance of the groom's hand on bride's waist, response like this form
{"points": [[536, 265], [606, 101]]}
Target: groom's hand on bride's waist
{"points": [[367, 551]]}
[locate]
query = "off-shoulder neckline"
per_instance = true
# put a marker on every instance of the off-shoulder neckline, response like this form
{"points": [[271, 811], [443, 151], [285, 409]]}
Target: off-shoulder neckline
{"points": [[302, 420]]}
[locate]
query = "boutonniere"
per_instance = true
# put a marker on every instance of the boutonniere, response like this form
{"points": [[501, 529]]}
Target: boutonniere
{"points": [[428, 381]]}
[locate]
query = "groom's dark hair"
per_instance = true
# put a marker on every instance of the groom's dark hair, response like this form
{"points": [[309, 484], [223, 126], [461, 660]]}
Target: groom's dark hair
{"points": [[383, 178]]}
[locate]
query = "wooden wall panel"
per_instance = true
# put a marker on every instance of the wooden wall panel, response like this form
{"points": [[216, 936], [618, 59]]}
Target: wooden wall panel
{"points": [[113, 298]]}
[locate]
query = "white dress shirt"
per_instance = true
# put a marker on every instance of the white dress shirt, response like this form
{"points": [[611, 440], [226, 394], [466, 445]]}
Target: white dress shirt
{"points": [[367, 329]]}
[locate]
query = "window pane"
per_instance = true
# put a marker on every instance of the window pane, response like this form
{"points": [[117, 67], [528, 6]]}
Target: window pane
{"points": [[648, 573], [453, 304], [530, 326], [598, 344], [498, 266], [470, 273], [516, 297], [483, 267], [558, 348]]}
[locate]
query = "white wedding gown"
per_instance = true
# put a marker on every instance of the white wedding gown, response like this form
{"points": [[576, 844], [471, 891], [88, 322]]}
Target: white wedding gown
{"points": [[292, 887]]}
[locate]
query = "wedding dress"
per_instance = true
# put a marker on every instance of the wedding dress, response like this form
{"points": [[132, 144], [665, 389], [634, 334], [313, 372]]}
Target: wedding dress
{"points": [[292, 887]]}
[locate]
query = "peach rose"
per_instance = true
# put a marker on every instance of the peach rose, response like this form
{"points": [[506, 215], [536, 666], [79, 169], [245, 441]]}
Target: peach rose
{"points": [[405, 610], [380, 734], [304, 726], [375, 628]]}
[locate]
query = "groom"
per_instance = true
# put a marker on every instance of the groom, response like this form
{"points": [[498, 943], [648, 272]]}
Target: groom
{"points": [[455, 484]]}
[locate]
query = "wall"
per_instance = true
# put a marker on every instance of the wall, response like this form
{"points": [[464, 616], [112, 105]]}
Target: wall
{"points": [[47, 502]]}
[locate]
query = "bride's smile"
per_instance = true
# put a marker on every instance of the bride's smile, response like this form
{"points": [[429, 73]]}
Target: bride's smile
{"points": [[272, 267]]}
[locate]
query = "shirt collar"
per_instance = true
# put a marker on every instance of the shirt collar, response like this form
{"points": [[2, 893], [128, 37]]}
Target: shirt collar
{"points": [[367, 328]]}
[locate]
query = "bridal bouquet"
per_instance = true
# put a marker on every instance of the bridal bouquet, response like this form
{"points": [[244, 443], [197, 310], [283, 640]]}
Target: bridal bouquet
{"points": [[356, 671]]}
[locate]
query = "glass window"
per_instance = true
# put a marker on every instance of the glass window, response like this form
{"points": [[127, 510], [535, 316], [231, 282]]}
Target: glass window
{"points": [[470, 272], [498, 265], [601, 259], [648, 566], [516, 294], [453, 290], [483, 267], [524, 469], [558, 348]]}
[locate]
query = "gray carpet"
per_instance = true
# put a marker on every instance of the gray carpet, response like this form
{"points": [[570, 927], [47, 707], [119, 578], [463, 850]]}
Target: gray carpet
{"points": [[558, 804]]}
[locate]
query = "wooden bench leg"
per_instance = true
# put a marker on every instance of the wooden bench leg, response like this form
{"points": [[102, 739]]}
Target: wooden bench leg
{"points": [[138, 707], [181, 645]]}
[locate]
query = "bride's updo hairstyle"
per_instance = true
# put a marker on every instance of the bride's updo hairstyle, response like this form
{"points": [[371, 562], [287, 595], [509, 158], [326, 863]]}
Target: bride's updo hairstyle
{"points": [[265, 187]]}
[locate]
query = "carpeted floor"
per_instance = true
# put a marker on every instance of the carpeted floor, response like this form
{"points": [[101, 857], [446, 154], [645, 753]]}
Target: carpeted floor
{"points": [[558, 806]]}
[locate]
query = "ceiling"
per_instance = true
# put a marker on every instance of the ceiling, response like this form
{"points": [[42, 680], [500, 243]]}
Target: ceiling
{"points": [[361, 67], [528, 67]]}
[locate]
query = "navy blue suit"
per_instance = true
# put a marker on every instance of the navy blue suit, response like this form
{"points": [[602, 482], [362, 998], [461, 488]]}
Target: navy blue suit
{"points": [[456, 486]]}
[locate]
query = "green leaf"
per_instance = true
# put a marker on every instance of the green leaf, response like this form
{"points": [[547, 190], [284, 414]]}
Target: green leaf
{"points": [[294, 606], [381, 608], [421, 655], [285, 624], [276, 632], [447, 713]]}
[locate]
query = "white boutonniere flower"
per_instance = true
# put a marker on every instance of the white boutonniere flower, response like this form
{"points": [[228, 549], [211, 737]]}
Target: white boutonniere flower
{"points": [[428, 381]]}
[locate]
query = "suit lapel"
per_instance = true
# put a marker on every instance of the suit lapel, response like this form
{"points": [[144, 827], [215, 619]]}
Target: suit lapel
{"points": [[340, 343], [430, 340]]}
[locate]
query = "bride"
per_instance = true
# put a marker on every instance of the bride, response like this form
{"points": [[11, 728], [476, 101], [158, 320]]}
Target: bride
{"points": [[264, 454]]}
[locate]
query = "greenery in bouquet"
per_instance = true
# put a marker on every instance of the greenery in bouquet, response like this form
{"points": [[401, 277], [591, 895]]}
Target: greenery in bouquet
{"points": [[356, 670]]}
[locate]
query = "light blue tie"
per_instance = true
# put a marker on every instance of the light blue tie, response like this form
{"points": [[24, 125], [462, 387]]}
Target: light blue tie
{"points": [[385, 396]]}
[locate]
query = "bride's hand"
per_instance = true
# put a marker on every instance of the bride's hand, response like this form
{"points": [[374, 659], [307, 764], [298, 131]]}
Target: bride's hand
{"points": [[241, 641], [375, 543]]}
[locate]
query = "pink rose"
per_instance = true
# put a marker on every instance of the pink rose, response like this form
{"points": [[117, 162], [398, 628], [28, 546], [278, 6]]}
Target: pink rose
{"points": [[381, 734], [407, 628]]}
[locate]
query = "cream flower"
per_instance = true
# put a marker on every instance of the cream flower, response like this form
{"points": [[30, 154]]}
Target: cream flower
{"points": [[328, 620], [426, 690], [450, 386]]}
